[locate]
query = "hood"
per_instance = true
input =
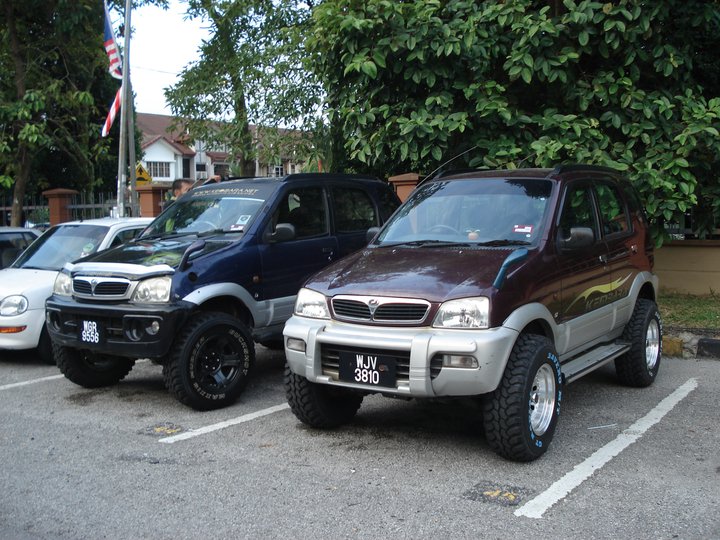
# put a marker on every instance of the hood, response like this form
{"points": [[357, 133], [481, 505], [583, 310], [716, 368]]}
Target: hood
{"points": [[35, 285], [435, 274], [153, 252]]}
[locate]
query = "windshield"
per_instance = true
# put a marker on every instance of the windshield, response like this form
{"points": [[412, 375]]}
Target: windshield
{"points": [[62, 244], [489, 212], [205, 214]]}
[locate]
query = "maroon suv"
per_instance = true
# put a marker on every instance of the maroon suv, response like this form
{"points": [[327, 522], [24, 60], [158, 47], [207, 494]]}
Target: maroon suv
{"points": [[500, 284]]}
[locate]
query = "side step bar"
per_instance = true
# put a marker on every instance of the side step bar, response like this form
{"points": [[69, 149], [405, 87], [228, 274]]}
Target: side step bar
{"points": [[593, 359]]}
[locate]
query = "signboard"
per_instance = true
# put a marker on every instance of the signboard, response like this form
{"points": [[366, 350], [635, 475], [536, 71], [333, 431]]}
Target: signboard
{"points": [[142, 176]]}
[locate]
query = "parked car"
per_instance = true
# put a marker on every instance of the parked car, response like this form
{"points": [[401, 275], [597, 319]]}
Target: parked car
{"points": [[216, 270], [503, 285], [13, 240], [26, 284]]}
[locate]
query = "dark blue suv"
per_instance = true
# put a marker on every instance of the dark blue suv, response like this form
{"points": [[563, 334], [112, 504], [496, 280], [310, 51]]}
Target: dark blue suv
{"points": [[219, 268]]}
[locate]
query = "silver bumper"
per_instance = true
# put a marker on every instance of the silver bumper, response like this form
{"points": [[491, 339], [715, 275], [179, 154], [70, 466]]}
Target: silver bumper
{"points": [[491, 348]]}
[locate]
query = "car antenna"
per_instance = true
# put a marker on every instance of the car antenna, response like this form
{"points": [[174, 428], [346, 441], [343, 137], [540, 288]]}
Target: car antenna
{"points": [[445, 163]]}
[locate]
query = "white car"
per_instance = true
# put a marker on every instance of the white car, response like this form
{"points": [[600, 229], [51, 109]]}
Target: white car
{"points": [[13, 240], [26, 284]]}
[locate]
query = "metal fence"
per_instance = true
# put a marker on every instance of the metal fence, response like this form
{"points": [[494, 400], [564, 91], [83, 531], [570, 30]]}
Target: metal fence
{"points": [[36, 212]]}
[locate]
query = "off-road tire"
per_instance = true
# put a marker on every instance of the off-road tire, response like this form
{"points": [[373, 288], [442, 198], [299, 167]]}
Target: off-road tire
{"points": [[520, 416], [639, 366], [90, 369], [44, 348], [318, 405], [210, 361]]}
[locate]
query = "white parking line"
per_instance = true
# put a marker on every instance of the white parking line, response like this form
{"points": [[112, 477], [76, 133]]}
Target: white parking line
{"points": [[535, 508], [222, 425], [32, 381]]}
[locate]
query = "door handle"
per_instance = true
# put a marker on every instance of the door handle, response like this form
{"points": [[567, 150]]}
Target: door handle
{"points": [[603, 259], [329, 252]]}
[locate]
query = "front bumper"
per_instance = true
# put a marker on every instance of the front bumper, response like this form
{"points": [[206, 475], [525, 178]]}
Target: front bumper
{"points": [[122, 328], [33, 321], [417, 351]]}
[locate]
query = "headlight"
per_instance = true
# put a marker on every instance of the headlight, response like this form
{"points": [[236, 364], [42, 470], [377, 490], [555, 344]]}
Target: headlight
{"points": [[463, 313], [153, 290], [311, 304], [63, 284], [13, 305]]}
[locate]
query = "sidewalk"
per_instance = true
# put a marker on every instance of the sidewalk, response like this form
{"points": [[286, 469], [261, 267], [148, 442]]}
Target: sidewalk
{"points": [[691, 342]]}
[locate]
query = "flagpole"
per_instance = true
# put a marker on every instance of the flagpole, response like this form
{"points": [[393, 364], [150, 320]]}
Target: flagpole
{"points": [[122, 157], [131, 154]]}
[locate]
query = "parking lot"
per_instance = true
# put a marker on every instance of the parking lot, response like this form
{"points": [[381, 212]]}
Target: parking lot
{"points": [[131, 462]]}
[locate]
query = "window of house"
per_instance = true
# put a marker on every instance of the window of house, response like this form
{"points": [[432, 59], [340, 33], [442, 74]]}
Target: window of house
{"points": [[159, 169], [278, 170]]}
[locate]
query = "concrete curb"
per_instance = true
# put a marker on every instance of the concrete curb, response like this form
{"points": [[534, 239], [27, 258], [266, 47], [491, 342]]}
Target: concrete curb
{"points": [[687, 344]]}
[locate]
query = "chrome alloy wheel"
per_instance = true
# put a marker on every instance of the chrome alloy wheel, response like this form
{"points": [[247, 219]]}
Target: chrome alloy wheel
{"points": [[652, 344], [542, 399]]}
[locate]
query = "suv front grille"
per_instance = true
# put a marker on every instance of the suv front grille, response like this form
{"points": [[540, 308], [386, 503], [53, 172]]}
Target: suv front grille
{"points": [[91, 287], [380, 309]]}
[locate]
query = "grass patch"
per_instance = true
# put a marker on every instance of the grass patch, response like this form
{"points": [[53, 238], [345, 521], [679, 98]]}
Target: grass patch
{"points": [[689, 311]]}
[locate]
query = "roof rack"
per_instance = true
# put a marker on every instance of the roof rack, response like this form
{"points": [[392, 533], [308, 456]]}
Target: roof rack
{"points": [[570, 167], [316, 175]]}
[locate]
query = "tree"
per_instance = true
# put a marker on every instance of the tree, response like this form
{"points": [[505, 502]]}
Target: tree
{"points": [[55, 72], [530, 82], [250, 70]]}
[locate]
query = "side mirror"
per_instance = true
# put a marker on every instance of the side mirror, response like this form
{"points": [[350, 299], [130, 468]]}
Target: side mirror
{"points": [[371, 234], [283, 233], [580, 237]]}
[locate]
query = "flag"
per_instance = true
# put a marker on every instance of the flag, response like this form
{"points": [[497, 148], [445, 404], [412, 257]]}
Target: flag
{"points": [[115, 67], [112, 113]]}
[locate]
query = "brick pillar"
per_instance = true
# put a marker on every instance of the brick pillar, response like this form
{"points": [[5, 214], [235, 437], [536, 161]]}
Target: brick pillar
{"points": [[59, 202], [151, 199], [404, 184]]}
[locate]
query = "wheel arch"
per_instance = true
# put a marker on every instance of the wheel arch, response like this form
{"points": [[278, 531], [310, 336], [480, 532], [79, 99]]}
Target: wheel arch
{"points": [[229, 305]]}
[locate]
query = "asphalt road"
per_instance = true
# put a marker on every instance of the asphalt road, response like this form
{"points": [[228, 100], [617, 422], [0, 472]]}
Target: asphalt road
{"points": [[113, 463]]}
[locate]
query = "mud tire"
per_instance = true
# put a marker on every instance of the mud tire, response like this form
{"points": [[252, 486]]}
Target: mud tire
{"points": [[90, 369], [520, 416], [639, 366], [318, 405], [210, 362]]}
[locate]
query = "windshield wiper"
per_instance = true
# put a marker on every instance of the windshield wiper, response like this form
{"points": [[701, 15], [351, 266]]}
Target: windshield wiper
{"points": [[499, 243], [426, 243], [165, 234], [211, 232]]}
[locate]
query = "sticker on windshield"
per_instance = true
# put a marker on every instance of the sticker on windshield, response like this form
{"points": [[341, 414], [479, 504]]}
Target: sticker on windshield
{"points": [[242, 220], [523, 229], [237, 227]]}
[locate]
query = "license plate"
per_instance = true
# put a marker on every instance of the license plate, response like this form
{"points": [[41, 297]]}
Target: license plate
{"points": [[90, 332], [365, 368]]}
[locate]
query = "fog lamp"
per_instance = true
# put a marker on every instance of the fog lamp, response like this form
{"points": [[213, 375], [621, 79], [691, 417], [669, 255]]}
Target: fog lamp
{"points": [[295, 344], [458, 361], [153, 329]]}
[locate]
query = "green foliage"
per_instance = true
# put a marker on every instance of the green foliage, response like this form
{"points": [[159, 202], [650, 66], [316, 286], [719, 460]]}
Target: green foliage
{"points": [[412, 84], [250, 71], [54, 76]]}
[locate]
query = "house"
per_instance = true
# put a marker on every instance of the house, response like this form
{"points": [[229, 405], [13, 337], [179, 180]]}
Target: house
{"points": [[170, 154]]}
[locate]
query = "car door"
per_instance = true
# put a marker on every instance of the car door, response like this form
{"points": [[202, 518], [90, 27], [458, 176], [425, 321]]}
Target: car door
{"points": [[622, 246], [286, 265], [353, 214], [586, 273]]}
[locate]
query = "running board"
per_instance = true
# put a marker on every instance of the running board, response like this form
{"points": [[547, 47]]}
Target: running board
{"points": [[593, 359]]}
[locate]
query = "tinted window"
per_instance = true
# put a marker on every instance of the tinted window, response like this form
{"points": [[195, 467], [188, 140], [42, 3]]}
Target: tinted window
{"points": [[612, 210], [578, 210], [305, 209], [354, 210], [472, 211], [61, 244], [125, 236]]}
